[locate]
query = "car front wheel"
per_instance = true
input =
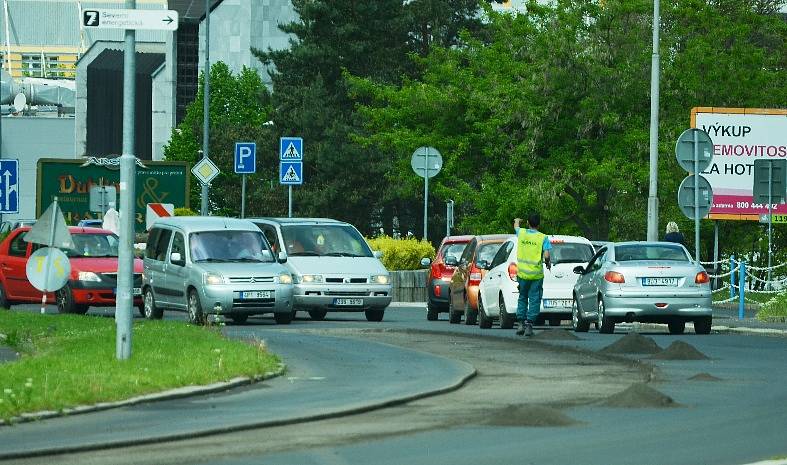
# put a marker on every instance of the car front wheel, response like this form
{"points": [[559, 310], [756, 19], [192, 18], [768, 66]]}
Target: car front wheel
{"points": [[579, 324], [318, 315], [283, 318], [375, 314], [196, 317], [66, 303]]}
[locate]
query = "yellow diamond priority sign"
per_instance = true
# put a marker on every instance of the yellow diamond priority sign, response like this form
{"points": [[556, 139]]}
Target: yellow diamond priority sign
{"points": [[205, 171]]}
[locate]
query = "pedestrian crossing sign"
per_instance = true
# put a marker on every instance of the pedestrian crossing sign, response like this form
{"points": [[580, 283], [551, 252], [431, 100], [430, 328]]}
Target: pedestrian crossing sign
{"points": [[291, 172], [290, 149]]}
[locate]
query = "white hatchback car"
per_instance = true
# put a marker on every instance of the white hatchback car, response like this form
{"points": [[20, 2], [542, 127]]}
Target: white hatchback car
{"points": [[499, 290]]}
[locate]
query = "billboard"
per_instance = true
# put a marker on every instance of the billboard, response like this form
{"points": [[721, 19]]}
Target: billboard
{"points": [[71, 180], [740, 136]]}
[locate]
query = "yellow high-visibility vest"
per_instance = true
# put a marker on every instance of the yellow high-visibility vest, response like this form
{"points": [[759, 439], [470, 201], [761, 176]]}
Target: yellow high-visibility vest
{"points": [[529, 256]]}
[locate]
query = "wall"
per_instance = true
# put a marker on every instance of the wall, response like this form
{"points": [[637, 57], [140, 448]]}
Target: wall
{"points": [[27, 139]]}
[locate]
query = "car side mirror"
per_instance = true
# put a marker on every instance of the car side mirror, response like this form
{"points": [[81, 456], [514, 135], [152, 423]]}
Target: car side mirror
{"points": [[579, 270], [378, 254], [176, 259], [282, 257], [425, 262], [451, 261]]}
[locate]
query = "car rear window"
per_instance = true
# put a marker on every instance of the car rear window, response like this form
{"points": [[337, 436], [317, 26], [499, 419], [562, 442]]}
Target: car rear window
{"points": [[570, 252], [453, 250], [627, 253]]}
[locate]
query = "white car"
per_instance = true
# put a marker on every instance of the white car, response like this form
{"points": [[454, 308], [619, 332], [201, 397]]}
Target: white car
{"points": [[499, 290]]}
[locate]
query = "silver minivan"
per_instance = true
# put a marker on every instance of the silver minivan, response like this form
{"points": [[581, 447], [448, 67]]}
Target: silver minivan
{"points": [[332, 266], [211, 265]]}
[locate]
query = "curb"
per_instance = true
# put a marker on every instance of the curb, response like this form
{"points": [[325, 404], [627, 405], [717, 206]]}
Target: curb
{"points": [[192, 390]]}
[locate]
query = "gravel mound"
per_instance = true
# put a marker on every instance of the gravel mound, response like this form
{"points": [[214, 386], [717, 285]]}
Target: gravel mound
{"points": [[704, 377], [640, 395], [556, 335], [680, 350], [632, 343], [528, 415]]}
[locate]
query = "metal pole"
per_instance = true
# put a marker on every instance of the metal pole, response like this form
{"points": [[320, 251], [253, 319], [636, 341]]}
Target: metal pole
{"points": [[289, 202], [696, 196], [741, 290], [770, 220], [124, 301], [206, 108], [50, 243], [716, 264], [448, 218], [243, 197], [426, 190], [653, 199]]}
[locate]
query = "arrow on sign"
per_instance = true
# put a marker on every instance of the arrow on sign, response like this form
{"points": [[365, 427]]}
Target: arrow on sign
{"points": [[167, 20]]}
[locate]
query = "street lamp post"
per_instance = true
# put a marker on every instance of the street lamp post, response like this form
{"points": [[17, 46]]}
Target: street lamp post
{"points": [[653, 199]]}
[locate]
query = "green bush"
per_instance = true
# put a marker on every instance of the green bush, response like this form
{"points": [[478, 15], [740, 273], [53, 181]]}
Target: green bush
{"points": [[183, 211], [774, 309], [402, 254]]}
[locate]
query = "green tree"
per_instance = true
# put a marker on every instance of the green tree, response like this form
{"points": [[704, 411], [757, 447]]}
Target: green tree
{"points": [[240, 109]]}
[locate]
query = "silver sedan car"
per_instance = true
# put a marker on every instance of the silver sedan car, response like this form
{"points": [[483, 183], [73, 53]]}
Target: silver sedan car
{"points": [[651, 282]]}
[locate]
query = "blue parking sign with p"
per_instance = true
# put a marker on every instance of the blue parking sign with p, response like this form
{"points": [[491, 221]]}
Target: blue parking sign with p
{"points": [[9, 186], [245, 157]]}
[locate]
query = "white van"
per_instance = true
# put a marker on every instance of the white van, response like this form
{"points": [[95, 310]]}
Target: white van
{"points": [[333, 268]]}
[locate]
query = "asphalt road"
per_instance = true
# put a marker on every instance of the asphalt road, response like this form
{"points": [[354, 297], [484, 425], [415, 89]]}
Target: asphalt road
{"points": [[537, 401]]}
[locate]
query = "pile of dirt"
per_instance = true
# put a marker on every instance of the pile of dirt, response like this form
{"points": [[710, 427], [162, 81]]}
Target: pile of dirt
{"points": [[528, 415], [556, 335], [680, 350], [704, 377], [640, 395], [632, 343]]}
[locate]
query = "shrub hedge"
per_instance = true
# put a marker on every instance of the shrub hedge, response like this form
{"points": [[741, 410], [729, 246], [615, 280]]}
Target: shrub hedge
{"points": [[402, 254]]}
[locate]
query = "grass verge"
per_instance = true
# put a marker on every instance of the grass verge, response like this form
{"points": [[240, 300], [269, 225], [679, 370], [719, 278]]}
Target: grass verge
{"points": [[775, 309], [69, 360], [751, 296]]}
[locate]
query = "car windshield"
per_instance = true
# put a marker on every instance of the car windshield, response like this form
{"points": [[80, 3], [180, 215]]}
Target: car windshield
{"points": [[229, 246], [454, 250], [93, 245], [570, 252], [333, 240], [627, 253], [487, 252]]}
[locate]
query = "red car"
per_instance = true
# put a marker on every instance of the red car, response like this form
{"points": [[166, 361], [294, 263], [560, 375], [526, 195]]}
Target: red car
{"points": [[440, 274], [93, 279]]}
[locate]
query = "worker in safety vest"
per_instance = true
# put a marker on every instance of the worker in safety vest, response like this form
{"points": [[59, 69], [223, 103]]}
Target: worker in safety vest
{"points": [[532, 254]]}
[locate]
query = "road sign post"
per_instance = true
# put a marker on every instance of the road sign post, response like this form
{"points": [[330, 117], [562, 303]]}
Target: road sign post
{"points": [[290, 166], [129, 19], [245, 163], [770, 174], [694, 152], [426, 162]]}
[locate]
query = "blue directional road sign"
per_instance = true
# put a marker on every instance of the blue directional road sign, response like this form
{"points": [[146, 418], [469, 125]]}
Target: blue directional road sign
{"points": [[291, 172], [9, 186], [291, 149], [245, 157]]}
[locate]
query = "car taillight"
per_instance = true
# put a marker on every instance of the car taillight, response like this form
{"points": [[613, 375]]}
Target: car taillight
{"points": [[702, 278], [475, 274], [614, 277], [437, 271], [512, 270]]}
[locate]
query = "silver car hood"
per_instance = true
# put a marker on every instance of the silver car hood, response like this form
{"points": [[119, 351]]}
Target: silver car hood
{"points": [[233, 269], [336, 266]]}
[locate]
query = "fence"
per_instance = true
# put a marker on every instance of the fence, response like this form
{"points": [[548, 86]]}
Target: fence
{"points": [[739, 274], [409, 285]]}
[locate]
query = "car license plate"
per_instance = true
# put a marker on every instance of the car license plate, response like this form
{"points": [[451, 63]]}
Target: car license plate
{"points": [[659, 281], [256, 295], [348, 302], [553, 303], [137, 291]]}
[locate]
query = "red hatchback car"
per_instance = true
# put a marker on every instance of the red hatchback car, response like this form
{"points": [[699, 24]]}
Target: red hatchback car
{"points": [[93, 278], [440, 274]]}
